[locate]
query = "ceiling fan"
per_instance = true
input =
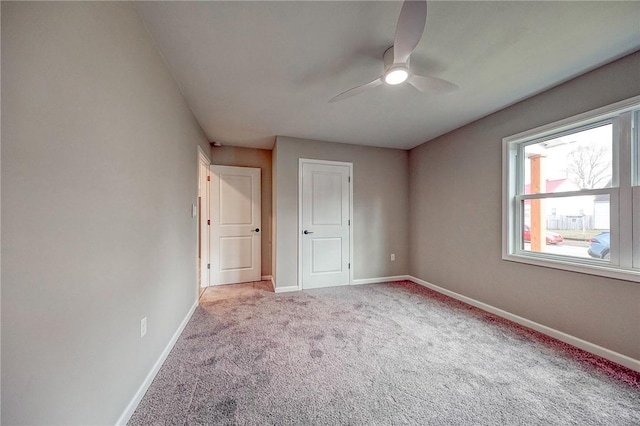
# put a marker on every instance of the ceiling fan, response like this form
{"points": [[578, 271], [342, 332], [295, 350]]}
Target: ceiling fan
{"points": [[411, 22]]}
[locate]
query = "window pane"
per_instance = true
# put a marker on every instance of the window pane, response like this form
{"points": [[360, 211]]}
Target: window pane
{"points": [[569, 226], [576, 161]]}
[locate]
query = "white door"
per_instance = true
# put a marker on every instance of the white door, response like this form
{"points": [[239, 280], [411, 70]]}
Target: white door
{"points": [[235, 225], [325, 210]]}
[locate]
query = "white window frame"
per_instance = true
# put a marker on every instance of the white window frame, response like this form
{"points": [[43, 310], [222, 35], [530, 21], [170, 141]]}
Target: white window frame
{"points": [[623, 195]]}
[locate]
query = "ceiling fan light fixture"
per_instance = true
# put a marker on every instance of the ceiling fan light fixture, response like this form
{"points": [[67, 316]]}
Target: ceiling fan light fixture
{"points": [[396, 76], [396, 59]]}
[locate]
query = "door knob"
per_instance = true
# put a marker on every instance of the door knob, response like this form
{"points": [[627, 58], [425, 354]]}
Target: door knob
{"points": [[307, 232], [256, 230]]}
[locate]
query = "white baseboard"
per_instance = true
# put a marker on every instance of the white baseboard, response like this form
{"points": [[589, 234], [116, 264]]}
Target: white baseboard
{"points": [[286, 289], [131, 408], [381, 279], [355, 282], [616, 357]]}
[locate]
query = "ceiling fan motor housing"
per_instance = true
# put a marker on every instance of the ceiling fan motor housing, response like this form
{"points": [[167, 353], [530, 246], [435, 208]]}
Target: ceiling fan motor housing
{"points": [[394, 73], [388, 59]]}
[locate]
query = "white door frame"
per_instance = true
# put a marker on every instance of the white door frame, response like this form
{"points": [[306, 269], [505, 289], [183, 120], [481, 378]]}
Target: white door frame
{"points": [[302, 161], [203, 273]]}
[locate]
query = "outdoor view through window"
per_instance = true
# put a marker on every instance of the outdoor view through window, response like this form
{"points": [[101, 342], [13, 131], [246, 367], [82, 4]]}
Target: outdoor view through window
{"points": [[575, 224]]}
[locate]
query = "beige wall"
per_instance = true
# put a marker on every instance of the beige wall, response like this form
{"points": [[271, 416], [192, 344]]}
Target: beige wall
{"points": [[259, 158], [99, 172], [456, 232], [380, 217]]}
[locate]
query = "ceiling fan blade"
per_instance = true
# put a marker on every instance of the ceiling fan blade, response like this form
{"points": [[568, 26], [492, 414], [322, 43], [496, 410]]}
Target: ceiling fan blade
{"points": [[431, 85], [357, 90], [411, 22]]}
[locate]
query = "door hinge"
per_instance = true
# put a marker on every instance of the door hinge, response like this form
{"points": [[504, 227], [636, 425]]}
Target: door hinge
{"points": [[208, 178], [349, 265], [349, 222], [208, 221], [208, 266], [349, 179]]}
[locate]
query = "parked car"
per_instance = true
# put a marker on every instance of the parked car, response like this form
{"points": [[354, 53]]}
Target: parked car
{"points": [[600, 245], [551, 237]]}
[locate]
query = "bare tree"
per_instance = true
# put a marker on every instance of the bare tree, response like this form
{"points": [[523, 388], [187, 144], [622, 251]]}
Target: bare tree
{"points": [[589, 167]]}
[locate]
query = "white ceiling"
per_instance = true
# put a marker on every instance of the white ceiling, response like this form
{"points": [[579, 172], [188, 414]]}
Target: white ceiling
{"points": [[254, 70]]}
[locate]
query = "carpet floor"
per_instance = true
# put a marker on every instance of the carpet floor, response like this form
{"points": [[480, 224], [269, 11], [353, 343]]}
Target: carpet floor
{"points": [[379, 354]]}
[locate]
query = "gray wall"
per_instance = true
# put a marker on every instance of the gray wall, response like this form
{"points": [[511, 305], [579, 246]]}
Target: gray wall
{"points": [[380, 203], [99, 172], [455, 219], [260, 158]]}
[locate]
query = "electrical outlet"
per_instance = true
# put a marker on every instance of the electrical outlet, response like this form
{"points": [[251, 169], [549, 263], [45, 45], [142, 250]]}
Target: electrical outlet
{"points": [[143, 327], [393, 257]]}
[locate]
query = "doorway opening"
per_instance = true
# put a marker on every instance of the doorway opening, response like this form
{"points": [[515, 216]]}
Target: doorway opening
{"points": [[202, 213]]}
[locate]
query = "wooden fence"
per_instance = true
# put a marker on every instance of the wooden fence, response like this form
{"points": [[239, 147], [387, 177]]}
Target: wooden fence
{"points": [[577, 223]]}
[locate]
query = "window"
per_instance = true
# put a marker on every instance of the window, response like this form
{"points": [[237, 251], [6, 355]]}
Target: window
{"points": [[571, 191]]}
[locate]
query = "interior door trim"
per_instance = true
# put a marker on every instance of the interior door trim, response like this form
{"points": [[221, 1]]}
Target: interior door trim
{"points": [[302, 161]]}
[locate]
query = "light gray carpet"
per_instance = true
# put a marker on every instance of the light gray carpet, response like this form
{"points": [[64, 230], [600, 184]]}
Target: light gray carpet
{"points": [[381, 354]]}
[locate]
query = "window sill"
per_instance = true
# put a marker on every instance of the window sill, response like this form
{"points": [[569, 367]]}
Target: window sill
{"points": [[586, 267]]}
